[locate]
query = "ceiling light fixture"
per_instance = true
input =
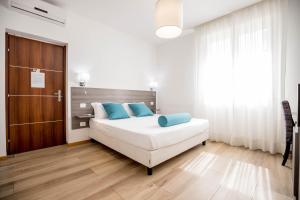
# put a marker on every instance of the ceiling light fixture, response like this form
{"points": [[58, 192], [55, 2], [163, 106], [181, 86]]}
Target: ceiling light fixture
{"points": [[168, 18]]}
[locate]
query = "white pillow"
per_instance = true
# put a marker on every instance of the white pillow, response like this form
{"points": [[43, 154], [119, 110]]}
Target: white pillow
{"points": [[127, 109], [99, 110]]}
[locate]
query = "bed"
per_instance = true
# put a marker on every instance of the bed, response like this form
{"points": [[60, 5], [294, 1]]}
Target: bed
{"points": [[143, 140], [139, 138]]}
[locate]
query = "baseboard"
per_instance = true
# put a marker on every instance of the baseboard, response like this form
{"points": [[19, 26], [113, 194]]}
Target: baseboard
{"points": [[78, 143], [3, 157]]}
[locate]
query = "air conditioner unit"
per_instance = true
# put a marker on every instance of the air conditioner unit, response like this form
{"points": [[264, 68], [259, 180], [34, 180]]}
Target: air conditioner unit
{"points": [[41, 9]]}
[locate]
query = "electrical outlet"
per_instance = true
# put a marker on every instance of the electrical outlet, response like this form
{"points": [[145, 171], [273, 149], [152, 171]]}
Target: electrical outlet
{"points": [[82, 123], [82, 105]]}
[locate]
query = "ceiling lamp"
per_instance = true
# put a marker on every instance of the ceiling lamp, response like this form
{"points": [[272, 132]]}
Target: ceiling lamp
{"points": [[168, 18]]}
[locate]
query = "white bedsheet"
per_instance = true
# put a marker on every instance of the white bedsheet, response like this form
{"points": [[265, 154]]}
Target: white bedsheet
{"points": [[144, 132]]}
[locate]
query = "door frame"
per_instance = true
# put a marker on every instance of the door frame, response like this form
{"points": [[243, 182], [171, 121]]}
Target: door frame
{"points": [[40, 39]]}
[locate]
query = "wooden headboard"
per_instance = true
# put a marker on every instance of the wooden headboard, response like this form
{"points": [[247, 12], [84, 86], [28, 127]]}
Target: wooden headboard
{"points": [[81, 99]]}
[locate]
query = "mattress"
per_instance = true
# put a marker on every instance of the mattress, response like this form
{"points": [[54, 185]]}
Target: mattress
{"points": [[145, 133]]}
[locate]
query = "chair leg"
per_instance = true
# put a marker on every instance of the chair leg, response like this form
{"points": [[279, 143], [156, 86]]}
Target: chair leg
{"points": [[149, 171], [286, 153]]}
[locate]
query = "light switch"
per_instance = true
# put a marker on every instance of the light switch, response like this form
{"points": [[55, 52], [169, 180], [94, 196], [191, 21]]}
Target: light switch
{"points": [[82, 105], [82, 123]]}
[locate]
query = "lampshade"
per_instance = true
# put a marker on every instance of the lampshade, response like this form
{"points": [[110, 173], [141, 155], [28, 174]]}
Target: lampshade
{"points": [[168, 18], [153, 84], [83, 78]]}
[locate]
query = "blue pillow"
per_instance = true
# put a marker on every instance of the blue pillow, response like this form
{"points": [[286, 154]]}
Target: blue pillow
{"points": [[115, 111], [171, 120], [140, 109]]}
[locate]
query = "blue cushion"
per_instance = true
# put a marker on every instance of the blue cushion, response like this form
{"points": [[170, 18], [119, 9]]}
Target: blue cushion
{"points": [[115, 111], [140, 109], [174, 119]]}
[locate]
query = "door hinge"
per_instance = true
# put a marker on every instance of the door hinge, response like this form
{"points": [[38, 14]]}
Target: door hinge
{"points": [[8, 49], [8, 141], [8, 95]]}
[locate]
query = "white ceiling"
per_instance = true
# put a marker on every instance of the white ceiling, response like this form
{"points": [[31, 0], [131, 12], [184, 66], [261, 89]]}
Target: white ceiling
{"points": [[136, 17]]}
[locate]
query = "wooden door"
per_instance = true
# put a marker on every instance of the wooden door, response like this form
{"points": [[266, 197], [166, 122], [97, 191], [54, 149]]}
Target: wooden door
{"points": [[35, 115]]}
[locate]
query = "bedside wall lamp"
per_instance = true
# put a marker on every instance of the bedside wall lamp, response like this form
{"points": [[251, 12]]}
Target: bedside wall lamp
{"points": [[153, 85], [83, 78]]}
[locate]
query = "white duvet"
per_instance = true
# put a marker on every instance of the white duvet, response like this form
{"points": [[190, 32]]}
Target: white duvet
{"points": [[144, 132]]}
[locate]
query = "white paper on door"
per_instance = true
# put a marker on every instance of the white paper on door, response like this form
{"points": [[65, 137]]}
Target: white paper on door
{"points": [[37, 79]]}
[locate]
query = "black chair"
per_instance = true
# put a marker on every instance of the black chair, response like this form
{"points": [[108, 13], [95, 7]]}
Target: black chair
{"points": [[289, 128]]}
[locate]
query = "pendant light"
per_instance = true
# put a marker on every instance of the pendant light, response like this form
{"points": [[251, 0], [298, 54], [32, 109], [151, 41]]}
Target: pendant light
{"points": [[168, 18]]}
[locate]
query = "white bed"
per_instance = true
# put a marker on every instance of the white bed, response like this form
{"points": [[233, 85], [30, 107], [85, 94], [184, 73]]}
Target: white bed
{"points": [[144, 141]]}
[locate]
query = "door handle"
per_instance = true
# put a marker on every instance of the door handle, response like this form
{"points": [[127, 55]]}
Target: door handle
{"points": [[59, 96]]}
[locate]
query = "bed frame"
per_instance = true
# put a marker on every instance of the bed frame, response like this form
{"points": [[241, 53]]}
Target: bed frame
{"points": [[81, 95], [145, 157]]}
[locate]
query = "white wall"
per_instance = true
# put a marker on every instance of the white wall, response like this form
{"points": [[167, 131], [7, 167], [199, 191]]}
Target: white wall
{"points": [[293, 54], [113, 59], [176, 61]]}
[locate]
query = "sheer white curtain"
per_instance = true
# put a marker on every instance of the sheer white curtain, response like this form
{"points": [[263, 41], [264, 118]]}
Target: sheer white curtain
{"points": [[239, 77]]}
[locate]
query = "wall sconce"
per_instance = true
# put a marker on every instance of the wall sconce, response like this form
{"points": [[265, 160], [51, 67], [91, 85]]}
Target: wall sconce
{"points": [[153, 85], [83, 78]]}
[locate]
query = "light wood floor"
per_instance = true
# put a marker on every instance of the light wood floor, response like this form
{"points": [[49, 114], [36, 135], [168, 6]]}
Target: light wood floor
{"points": [[92, 171]]}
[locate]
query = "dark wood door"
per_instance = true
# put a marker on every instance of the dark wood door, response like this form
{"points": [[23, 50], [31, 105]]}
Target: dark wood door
{"points": [[35, 115]]}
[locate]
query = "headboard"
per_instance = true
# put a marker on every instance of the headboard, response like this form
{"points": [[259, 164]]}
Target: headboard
{"points": [[81, 99]]}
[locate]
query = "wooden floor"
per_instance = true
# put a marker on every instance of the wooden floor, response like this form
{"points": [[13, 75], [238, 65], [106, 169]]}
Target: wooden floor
{"points": [[92, 171]]}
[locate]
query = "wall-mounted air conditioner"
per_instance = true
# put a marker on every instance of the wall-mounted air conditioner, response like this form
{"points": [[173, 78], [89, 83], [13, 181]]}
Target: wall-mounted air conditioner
{"points": [[41, 9]]}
